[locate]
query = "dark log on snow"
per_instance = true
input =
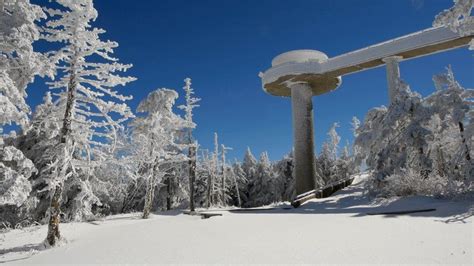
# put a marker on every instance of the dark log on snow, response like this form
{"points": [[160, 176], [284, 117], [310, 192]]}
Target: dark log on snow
{"points": [[323, 192], [204, 215], [401, 212]]}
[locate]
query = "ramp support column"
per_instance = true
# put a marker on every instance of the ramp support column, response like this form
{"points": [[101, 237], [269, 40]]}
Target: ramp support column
{"points": [[302, 109], [393, 76]]}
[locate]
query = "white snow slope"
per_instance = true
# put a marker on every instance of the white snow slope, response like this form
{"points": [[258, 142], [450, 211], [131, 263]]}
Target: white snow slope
{"points": [[332, 230]]}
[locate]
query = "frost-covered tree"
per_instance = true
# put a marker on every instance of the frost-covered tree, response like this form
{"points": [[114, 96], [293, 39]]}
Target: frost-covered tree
{"points": [[355, 149], [40, 137], [191, 103], [332, 164], [326, 168], [452, 126], [285, 179], [263, 190], [203, 175], [214, 172], [155, 143], [224, 176], [92, 109], [458, 18], [428, 139], [384, 136], [19, 64], [237, 175], [249, 166]]}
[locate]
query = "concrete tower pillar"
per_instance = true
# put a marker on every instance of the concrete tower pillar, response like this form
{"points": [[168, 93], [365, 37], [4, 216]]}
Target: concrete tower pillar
{"points": [[393, 76], [303, 134]]}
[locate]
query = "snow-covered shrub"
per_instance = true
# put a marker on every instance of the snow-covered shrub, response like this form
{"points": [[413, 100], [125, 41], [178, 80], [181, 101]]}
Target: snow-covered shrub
{"points": [[410, 182], [431, 137], [79, 200]]}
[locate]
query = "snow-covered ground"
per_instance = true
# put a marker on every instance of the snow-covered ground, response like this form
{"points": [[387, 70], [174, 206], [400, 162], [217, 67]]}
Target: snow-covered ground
{"points": [[331, 230]]}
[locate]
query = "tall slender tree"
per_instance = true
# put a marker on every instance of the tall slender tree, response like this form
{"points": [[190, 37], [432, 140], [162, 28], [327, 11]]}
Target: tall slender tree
{"points": [[224, 150], [85, 88], [191, 103]]}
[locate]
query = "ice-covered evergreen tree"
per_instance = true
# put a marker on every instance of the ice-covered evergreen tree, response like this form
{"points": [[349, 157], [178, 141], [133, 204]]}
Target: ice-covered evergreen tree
{"points": [[237, 175], [40, 137], [249, 166], [326, 168], [263, 190], [284, 177], [155, 143], [92, 109]]}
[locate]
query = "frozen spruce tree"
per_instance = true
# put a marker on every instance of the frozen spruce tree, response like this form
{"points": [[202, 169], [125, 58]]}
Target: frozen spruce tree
{"points": [[92, 110], [156, 149], [285, 179], [212, 165], [326, 168], [191, 103], [458, 18], [239, 182], [39, 138], [249, 164], [249, 167], [263, 190], [19, 64]]}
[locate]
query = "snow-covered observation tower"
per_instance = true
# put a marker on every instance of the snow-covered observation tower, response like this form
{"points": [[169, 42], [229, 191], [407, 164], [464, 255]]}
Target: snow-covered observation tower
{"points": [[301, 74]]}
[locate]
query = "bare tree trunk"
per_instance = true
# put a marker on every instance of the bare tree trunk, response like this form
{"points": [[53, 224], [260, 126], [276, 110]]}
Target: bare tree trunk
{"points": [[192, 175], [467, 153], [55, 206], [440, 162], [71, 101], [223, 186], [237, 191], [150, 194], [209, 190], [224, 149], [55, 211], [168, 193]]}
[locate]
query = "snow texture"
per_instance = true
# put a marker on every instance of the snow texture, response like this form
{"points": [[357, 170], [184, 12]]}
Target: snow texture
{"points": [[323, 231]]}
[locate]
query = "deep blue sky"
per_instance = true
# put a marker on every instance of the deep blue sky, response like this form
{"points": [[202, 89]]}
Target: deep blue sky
{"points": [[222, 46]]}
